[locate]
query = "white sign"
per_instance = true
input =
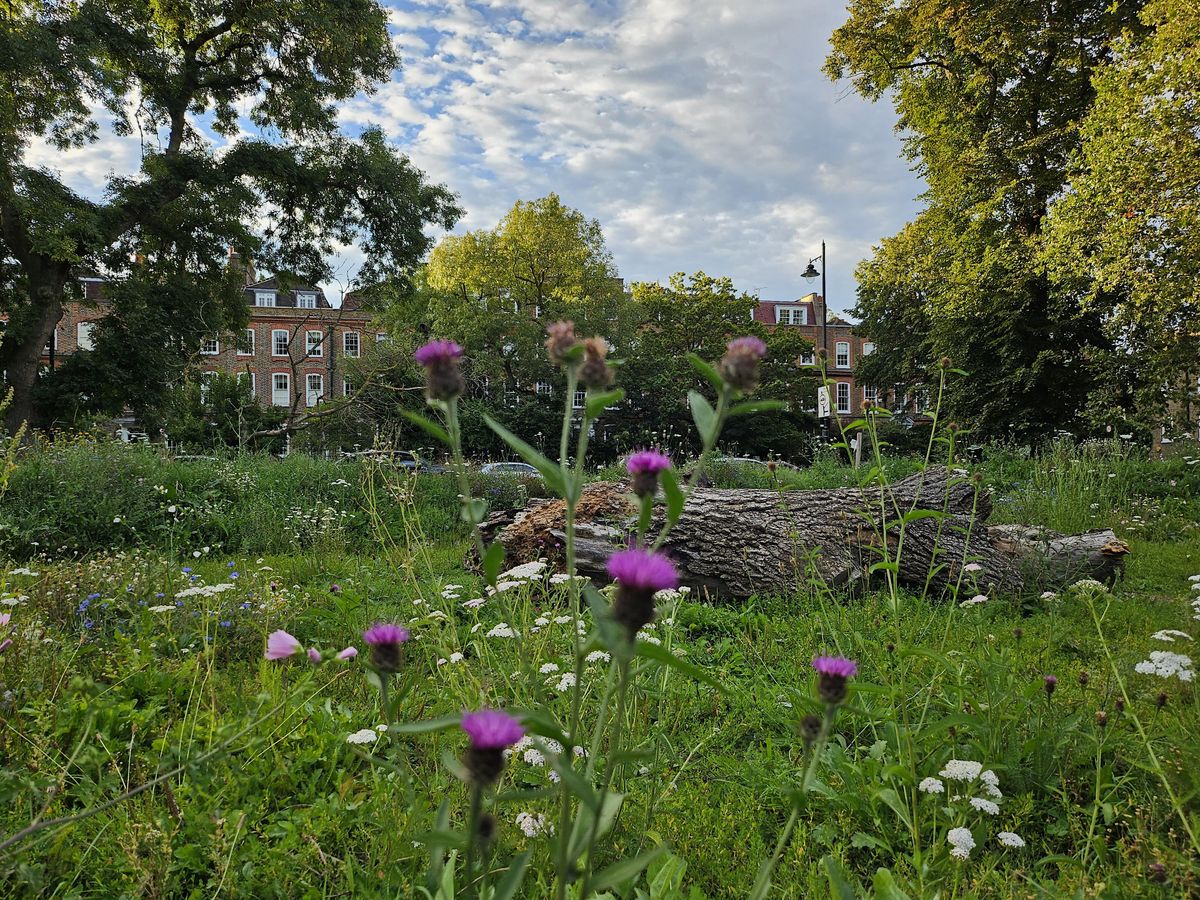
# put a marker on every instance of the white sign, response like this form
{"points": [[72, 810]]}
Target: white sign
{"points": [[824, 407]]}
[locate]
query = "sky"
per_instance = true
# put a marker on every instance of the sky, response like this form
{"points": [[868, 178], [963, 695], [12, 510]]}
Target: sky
{"points": [[701, 134]]}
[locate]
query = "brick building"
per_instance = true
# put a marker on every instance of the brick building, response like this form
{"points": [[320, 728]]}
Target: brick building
{"points": [[292, 349], [843, 348]]}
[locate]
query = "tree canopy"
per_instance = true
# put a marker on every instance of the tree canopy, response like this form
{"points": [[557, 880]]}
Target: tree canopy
{"points": [[161, 235]]}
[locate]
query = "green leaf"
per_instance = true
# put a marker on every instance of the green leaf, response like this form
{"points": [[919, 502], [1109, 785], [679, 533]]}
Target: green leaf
{"points": [[581, 830], [886, 887], [673, 495], [839, 883], [426, 726], [575, 783], [703, 415], [493, 561], [474, 510], [506, 887], [445, 839], [916, 514], [709, 373], [661, 654], [896, 804], [861, 839], [598, 403], [552, 474], [434, 430], [620, 872], [758, 406], [437, 852]]}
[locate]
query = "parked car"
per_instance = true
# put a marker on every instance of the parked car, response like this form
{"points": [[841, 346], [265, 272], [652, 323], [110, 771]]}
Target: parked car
{"points": [[404, 459], [509, 468]]}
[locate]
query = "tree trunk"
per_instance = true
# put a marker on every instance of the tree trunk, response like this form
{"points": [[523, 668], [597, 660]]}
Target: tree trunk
{"points": [[735, 543], [30, 328]]}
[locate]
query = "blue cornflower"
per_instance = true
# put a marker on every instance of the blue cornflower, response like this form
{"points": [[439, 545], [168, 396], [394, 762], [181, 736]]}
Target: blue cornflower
{"points": [[233, 576], [87, 623], [226, 623], [229, 565], [246, 605], [93, 596], [187, 569], [179, 603], [160, 594], [83, 605]]}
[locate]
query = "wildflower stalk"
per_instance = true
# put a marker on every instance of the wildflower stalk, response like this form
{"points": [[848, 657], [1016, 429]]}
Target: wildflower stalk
{"points": [[1137, 723], [614, 746], [473, 836]]}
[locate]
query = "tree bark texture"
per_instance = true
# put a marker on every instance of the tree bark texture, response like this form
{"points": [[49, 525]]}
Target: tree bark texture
{"points": [[731, 544]]}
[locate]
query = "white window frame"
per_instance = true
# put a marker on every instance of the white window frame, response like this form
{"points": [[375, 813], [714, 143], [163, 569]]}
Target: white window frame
{"points": [[347, 387], [580, 399], [870, 392], [242, 376], [205, 384], [543, 388], [867, 349], [246, 347], [788, 315], [314, 396], [808, 357], [275, 332], [380, 337], [306, 300], [281, 393], [842, 390], [214, 342], [314, 350], [839, 356], [346, 351], [264, 298], [85, 336]]}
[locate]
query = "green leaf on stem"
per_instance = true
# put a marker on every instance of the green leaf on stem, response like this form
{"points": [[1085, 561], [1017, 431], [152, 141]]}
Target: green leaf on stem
{"points": [[425, 726], [575, 783], [620, 872], [434, 430], [552, 474], [709, 373], [437, 853], [839, 883], [703, 415], [661, 654], [493, 561], [506, 887], [474, 510], [598, 403], [673, 494], [581, 830], [886, 887]]}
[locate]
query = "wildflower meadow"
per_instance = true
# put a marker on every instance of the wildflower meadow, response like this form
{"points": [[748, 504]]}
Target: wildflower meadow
{"points": [[304, 678]]}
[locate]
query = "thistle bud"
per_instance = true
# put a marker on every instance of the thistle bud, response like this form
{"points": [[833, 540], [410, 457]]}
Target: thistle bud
{"points": [[595, 372], [443, 380], [739, 366], [810, 729], [1049, 683]]}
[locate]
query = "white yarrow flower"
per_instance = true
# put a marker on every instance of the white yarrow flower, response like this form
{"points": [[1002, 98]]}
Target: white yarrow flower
{"points": [[972, 567], [503, 630], [1166, 664], [1169, 635], [1008, 839], [931, 785], [363, 736], [986, 806], [597, 656], [533, 824], [548, 668], [961, 841], [961, 770], [566, 681], [974, 601]]}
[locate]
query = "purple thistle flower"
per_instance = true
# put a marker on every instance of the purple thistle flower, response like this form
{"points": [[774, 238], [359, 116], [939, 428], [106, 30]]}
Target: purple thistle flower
{"points": [[386, 643], [739, 365], [335, 588], [644, 466], [639, 574], [348, 653], [1050, 682], [281, 645], [314, 655], [833, 672], [438, 351], [490, 731], [5, 645]]}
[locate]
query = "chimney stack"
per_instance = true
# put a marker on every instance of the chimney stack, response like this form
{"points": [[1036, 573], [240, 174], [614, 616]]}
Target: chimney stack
{"points": [[246, 267]]}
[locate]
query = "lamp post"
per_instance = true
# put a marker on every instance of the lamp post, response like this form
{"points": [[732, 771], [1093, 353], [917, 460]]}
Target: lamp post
{"points": [[808, 275]]}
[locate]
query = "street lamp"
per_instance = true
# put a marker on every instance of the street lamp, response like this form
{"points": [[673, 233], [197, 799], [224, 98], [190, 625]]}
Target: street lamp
{"points": [[808, 275]]}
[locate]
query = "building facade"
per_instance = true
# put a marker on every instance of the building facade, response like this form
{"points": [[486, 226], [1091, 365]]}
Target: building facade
{"points": [[843, 348], [293, 350]]}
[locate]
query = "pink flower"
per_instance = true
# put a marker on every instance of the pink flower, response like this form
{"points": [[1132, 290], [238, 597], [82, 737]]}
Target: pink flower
{"points": [[835, 665], [281, 645], [348, 653], [5, 645], [386, 643], [492, 729], [653, 461], [314, 655], [747, 346], [438, 352], [4, 617], [643, 570]]}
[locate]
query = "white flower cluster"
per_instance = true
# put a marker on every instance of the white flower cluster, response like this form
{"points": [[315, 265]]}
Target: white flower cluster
{"points": [[961, 842], [1195, 580], [1008, 839], [1089, 586], [503, 630], [205, 590], [961, 770], [1169, 635], [363, 736], [974, 601], [533, 824], [1166, 664], [931, 785]]}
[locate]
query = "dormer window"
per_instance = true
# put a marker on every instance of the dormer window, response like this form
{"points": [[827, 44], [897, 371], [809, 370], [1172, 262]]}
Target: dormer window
{"points": [[791, 315], [306, 301], [264, 298]]}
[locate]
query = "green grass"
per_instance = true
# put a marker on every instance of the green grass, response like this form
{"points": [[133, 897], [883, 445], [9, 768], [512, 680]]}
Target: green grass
{"points": [[292, 810]]}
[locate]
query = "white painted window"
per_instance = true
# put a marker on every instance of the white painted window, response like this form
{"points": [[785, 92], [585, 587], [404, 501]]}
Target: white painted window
{"points": [[279, 342], [842, 356], [380, 337], [315, 342], [245, 346], [306, 301], [210, 346], [808, 358], [314, 386], [281, 389], [870, 392], [205, 385], [351, 345], [868, 348], [347, 387], [264, 298], [580, 399], [85, 335], [843, 397], [544, 388], [791, 315]]}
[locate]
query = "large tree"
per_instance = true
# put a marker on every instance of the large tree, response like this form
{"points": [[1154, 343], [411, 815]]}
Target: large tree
{"points": [[161, 235], [1129, 227], [989, 97]]}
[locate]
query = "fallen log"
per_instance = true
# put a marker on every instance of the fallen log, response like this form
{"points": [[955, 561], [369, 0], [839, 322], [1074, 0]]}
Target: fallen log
{"points": [[735, 543]]}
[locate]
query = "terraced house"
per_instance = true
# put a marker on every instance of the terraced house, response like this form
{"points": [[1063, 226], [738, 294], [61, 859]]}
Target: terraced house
{"points": [[292, 350]]}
